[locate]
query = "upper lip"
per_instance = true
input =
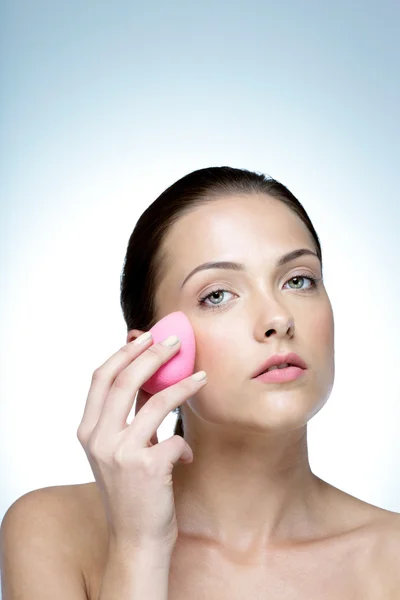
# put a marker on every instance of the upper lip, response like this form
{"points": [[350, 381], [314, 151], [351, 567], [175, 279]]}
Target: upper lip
{"points": [[279, 359]]}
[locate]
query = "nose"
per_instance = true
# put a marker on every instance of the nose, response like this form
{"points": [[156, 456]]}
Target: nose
{"points": [[280, 325]]}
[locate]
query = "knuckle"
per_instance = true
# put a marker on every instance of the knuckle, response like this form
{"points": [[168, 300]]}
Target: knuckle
{"points": [[81, 435], [157, 350], [159, 401], [97, 374], [96, 447], [185, 386], [143, 463], [180, 442], [123, 379], [189, 382], [122, 454], [118, 457], [126, 349], [147, 466]]}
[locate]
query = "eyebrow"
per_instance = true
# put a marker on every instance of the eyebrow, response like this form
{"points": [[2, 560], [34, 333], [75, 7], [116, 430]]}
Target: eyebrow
{"points": [[234, 266]]}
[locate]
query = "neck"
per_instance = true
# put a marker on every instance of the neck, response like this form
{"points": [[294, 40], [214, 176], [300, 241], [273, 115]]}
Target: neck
{"points": [[248, 490]]}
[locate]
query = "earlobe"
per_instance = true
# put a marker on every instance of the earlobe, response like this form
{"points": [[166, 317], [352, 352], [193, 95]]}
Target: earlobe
{"points": [[133, 334]]}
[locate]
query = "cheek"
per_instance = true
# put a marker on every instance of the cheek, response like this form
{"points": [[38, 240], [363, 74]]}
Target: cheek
{"points": [[322, 336], [322, 330], [217, 354]]}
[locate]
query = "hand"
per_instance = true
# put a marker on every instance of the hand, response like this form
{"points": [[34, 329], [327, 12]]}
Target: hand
{"points": [[132, 470]]}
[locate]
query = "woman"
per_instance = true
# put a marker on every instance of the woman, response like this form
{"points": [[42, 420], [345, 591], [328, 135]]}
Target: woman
{"points": [[245, 517]]}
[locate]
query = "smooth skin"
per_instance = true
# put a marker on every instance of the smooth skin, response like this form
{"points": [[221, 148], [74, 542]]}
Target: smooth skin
{"points": [[250, 493], [133, 473], [249, 496], [132, 470]]}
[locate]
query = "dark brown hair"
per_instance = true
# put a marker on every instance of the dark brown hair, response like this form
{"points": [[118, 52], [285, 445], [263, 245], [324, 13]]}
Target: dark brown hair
{"points": [[145, 263]]}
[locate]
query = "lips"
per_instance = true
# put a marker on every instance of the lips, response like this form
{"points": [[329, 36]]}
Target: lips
{"points": [[278, 359]]}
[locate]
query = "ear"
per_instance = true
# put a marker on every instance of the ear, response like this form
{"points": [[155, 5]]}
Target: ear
{"points": [[133, 334]]}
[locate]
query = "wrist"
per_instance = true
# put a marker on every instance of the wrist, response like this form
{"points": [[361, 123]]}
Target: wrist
{"points": [[149, 553]]}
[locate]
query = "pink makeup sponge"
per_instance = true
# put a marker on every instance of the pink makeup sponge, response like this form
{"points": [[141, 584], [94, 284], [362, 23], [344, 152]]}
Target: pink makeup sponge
{"points": [[181, 365]]}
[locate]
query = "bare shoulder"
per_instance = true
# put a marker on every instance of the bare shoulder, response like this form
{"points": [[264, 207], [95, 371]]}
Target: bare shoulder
{"points": [[387, 543], [351, 512], [384, 564], [71, 521], [67, 507], [374, 532], [80, 512]]}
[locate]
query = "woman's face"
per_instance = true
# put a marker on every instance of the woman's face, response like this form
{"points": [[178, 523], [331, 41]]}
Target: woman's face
{"points": [[230, 325]]}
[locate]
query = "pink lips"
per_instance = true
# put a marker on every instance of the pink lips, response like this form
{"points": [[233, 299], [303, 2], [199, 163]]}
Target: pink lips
{"points": [[281, 375], [294, 360]]}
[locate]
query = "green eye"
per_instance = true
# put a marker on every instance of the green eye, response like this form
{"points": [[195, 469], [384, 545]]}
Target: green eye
{"points": [[202, 301]]}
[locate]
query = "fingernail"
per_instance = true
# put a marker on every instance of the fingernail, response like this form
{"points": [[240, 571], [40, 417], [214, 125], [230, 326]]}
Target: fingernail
{"points": [[143, 338], [171, 340], [199, 376]]}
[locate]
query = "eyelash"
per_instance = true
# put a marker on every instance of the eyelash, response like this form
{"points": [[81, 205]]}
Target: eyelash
{"points": [[204, 306]]}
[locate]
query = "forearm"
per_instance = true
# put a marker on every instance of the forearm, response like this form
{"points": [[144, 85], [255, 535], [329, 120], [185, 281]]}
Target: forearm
{"points": [[135, 575]]}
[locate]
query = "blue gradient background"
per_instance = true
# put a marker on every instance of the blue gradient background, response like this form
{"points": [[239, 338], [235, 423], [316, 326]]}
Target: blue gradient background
{"points": [[102, 107]]}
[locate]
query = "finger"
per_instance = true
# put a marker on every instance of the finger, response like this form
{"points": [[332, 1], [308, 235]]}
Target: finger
{"points": [[119, 402], [102, 380], [141, 399], [153, 413], [173, 449]]}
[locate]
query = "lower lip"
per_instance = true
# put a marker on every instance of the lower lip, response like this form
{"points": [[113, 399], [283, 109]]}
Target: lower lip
{"points": [[281, 375]]}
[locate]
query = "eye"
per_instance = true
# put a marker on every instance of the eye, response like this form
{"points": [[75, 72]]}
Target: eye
{"points": [[217, 292], [301, 278], [202, 301]]}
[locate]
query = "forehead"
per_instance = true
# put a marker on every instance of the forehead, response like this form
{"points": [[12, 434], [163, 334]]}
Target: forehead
{"points": [[234, 225], [254, 229]]}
